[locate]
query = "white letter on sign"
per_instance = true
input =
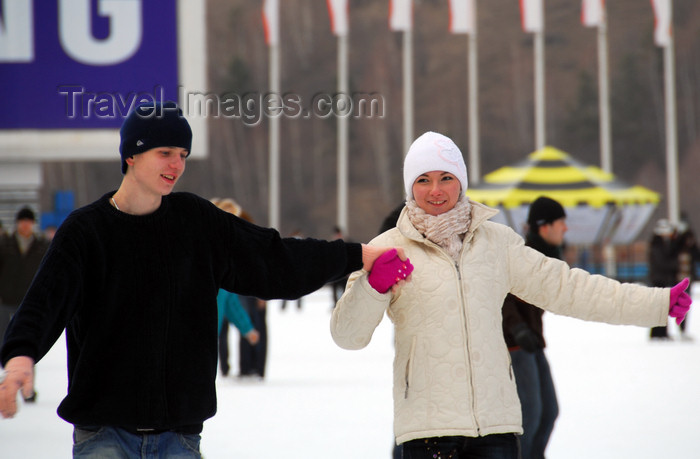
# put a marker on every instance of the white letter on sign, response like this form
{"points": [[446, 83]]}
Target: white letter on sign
{"points": [[16, 31], [125, 30]]}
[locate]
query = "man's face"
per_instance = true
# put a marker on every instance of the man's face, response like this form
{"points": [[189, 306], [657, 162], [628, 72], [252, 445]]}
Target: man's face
{"points": [[553, 233], [25, 227], [158, 169]]}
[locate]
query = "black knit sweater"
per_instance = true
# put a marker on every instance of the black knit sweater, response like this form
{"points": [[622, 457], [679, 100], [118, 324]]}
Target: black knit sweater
{"points": [[137, 298]]}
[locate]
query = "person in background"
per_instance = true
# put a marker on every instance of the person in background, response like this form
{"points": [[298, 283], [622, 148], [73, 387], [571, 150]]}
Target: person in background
{"points": [[392, 218], [296, 234], [230, 309], [688, 259], [20, 256], [663, 266], [338, 286], [252, 359], [231, 312], [454, 391], [252, 355], [523, 332], [133, 278]]}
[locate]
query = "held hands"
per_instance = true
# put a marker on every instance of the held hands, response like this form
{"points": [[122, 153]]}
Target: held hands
{"points": [[680, 301], [388, 270], [370, 253], [19, 374]]}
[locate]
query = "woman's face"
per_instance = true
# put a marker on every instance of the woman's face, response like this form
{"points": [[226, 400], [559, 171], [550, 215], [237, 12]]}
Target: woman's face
{"points": [[436, 192]]}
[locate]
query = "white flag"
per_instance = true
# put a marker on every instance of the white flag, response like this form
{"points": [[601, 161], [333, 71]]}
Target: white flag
{"points": [[592, 12], [271, 21], [462, 16], [532, 15], [338, 10], [662, 22], [401, 15]]}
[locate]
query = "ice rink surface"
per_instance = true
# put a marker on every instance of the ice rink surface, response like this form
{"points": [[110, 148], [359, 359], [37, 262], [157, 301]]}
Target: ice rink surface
{"points": [[620, 395]]}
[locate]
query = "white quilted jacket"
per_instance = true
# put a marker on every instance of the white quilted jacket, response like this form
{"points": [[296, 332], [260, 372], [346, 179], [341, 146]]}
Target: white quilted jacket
{"points": [[452, 370]]}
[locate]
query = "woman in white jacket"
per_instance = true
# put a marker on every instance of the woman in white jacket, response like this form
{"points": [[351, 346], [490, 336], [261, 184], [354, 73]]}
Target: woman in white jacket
{"points": [[454, 390]]}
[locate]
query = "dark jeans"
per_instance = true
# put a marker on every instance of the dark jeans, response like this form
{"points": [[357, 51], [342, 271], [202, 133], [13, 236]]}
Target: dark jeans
{"points": [[115, 443], [538, 400], [223, 348], [496, 446]]}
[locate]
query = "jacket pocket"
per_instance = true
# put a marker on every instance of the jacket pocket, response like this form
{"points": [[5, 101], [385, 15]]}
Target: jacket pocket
{"points": [[409, 367]]}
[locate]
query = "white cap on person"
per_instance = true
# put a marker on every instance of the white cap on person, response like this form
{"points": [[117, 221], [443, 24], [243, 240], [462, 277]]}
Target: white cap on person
{"points": [[433, 152]]}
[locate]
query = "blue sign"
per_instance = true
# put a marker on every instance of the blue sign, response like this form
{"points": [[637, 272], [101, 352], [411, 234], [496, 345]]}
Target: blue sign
{"points": [[82, 64]]}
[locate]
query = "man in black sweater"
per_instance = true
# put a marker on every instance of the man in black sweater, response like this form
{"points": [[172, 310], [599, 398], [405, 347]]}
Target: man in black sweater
{"points": [[133, 279], [522, 329]]}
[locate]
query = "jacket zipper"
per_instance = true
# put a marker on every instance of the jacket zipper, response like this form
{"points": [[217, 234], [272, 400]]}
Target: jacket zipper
{"points": [[467, 350], [465, 242]]}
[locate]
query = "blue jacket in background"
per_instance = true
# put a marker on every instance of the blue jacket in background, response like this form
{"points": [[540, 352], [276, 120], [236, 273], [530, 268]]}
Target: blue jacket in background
{"points": [[230, 307]]}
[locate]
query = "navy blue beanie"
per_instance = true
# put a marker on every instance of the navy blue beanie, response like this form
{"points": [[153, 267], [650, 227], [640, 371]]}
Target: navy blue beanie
{"points": [[544, 210], [152, 125]]}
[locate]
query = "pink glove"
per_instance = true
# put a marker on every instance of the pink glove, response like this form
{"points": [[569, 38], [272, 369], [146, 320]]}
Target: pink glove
{"points": [[387, 270], [680, 301]]}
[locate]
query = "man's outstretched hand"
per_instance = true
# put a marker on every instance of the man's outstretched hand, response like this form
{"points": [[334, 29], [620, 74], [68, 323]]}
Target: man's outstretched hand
{"points": [[17, 375]]}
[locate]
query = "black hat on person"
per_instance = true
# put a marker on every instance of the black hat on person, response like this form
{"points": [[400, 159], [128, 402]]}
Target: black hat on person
{"points": [[544, 210], [152, 125], [25, 213]]}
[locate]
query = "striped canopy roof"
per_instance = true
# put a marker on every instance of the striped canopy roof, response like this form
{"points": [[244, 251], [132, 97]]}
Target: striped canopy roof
{"points": [[556, 174]]}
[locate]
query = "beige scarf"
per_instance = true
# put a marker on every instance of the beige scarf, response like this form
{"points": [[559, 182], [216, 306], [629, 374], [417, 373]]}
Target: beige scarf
{"points": [[446, 230]]}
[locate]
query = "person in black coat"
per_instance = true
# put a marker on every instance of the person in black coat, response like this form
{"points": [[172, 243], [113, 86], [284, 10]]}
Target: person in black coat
{"points": [[20, 255], [688, 260], [523, 332], [663, 264]]}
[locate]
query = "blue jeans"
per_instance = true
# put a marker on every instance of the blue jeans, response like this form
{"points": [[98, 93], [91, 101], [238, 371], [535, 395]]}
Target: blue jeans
{"points": [[496, 446], [538, 400], [114, 443]]}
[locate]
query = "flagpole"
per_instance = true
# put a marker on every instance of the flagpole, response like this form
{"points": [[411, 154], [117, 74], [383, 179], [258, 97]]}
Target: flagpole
{"points": [[407, 90], [604, 93], [539, 89], [473, 70], [343, 119], [274, 139], [671, 140]]}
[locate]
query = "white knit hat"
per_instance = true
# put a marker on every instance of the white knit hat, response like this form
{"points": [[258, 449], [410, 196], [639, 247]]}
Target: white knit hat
{"points": [[433, 152]]}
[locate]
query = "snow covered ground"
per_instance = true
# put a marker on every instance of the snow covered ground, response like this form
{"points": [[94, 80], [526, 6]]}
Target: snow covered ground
{"points": [[620, 395]]}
